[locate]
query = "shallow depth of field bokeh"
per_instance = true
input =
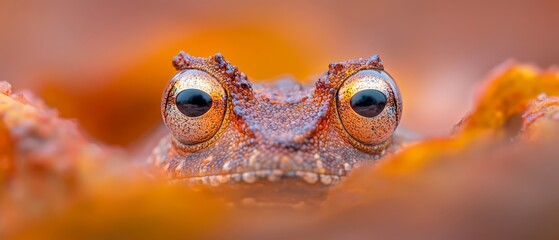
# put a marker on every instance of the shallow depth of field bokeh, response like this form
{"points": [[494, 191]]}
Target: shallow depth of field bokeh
{"points": [[105, 63]]}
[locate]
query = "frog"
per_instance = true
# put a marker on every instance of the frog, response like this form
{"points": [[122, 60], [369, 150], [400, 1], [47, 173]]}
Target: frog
{"points": [[227, 131], [47, 163]]}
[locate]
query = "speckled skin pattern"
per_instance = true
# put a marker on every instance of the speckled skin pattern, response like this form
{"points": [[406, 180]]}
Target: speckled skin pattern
{"points": [[272, 132]]}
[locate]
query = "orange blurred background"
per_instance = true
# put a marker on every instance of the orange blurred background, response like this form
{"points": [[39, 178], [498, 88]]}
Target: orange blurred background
{"points": [[106, 63]]}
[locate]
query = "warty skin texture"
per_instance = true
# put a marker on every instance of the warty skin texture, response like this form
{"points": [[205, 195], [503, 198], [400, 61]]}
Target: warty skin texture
{"points": [[278, 133]]}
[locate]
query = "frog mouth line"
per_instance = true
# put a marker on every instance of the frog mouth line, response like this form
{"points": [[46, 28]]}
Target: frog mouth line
{"points": [[261, 175]]}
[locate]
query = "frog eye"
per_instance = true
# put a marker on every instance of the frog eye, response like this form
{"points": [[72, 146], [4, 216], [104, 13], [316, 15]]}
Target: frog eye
{"points": [[368, 102], [369, 106], [194, 106], [193, 102]]}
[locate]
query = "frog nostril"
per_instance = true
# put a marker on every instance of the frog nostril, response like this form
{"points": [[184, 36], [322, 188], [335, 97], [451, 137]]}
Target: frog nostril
{"points": [[291, 146]]}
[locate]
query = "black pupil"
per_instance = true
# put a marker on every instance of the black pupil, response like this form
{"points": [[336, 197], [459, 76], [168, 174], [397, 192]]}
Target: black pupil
{"points": [[368, 103], [193, 102]]}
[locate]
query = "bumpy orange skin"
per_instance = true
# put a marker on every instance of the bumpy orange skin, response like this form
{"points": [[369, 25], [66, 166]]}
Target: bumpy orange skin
{"points": [[275, 131], [485, 180]]}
